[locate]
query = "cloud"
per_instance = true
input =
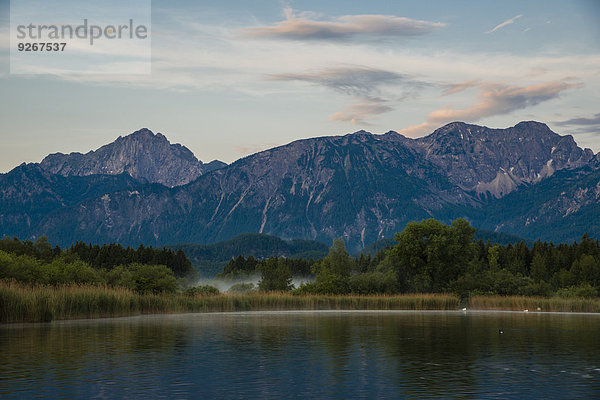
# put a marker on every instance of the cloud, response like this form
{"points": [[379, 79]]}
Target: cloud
{"points": [[355, 81], [373, 88], [454, 88], [582, 121], [498, 100], [418, 130], [494, 99], [587, 129], [304, 26], [503, 24], [359, 112]]}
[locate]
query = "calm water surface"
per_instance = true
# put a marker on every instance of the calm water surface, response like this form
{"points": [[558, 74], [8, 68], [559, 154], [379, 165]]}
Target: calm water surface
{"points": [[306, 355]]}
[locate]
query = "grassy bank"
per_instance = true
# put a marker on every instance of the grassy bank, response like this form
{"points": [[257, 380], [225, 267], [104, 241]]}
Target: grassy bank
{"points": [[520, 303], [24, 303]]}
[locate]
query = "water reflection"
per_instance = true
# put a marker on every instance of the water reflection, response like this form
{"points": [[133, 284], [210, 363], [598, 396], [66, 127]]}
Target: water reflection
{"points": [[325, 354]]}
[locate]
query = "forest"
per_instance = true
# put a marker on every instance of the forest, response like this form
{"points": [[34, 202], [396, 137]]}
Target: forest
{"points": [[432, 257], [144, 269], [426, 257]]}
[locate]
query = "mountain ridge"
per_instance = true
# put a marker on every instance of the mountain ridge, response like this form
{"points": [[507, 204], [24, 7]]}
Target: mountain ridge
{"points": [[142, 154], [359, 186]]}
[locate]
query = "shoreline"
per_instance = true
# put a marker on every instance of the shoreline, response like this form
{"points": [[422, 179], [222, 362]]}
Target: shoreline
{"points": [[259, 313], [22, 304]]}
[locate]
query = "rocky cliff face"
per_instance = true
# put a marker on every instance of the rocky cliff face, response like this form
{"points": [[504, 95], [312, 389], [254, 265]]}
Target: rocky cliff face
{"points": [[560, 208], [360, 186], [142, 154], [30, 195], [497, 161]]}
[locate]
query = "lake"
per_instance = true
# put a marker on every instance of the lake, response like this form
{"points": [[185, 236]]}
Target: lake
{"points": [[326, 354]]}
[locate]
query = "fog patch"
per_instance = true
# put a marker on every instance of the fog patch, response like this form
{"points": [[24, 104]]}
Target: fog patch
{"points": [[224, 284]]}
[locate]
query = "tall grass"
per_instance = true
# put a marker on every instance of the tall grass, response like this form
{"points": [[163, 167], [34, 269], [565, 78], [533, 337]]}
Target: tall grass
{"points": [[24, 303], [520, 303]]}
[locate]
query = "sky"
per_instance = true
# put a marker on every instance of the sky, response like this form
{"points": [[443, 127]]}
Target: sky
{"points": [[230, 78]]}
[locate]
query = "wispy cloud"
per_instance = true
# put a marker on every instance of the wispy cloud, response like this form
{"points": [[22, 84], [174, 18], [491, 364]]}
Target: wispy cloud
{"points": [[304, 26], [587, 129], [497, 100], [582, 121], [503, 24], [358, 113], [352, 80], [454, 88], [494, 99], [373, 88]]}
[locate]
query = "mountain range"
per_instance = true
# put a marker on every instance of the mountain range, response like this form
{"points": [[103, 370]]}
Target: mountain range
{"points": [[524, 180]]}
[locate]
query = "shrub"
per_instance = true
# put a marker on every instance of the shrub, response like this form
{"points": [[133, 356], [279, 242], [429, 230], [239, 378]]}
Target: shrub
{"points": [[275, 275], [143, 278], [202, 290], [22, 268], [61, 271], [584, 290], [326, 284], [240, 288], [373, 283]]}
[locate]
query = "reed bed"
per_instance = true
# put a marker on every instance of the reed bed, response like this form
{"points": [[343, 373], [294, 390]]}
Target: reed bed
{"points": [[24, 303], [520, 303]]}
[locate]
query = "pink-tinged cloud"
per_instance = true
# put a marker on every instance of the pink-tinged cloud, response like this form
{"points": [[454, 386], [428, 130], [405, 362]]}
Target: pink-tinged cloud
{"points": [[454, 88], [493, 100], [359, 112], [302, 27]]}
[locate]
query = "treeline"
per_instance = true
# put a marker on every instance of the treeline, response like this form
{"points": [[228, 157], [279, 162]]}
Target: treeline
{"points": [[212, 258], [242, 267], [432, 257], [144, 269], [107, 256], [426, 257]]}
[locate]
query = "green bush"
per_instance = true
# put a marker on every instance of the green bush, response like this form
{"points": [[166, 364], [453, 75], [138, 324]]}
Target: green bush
{"points": [[275, 274], [326, 284], [584, 290], [143, 278], [202, 290], [22, 268], [240, 288], [373, 283], [61, 271], [501, 282]]}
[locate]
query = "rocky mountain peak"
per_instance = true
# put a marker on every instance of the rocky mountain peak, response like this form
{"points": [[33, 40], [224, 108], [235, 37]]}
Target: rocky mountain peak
{"points": [[143, 132], [497, 161], [534, 126], [142, 154], [360, 133]]}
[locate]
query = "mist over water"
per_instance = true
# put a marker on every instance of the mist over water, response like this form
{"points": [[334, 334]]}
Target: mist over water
{"points": [[225, 284], [306, 355]]}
